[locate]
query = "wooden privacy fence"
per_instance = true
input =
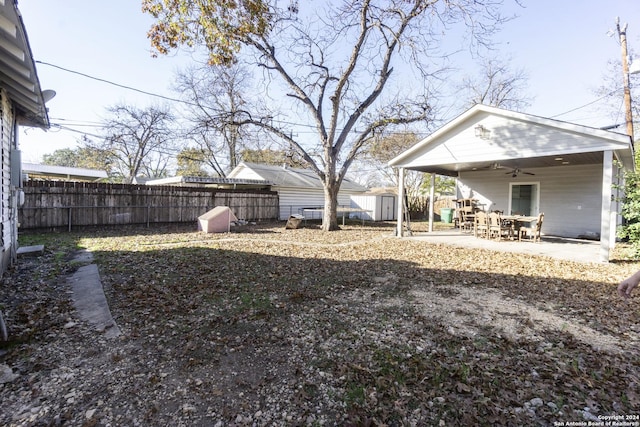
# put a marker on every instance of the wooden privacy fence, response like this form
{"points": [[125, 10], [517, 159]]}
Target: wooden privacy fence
{"points": [[54, 204]]}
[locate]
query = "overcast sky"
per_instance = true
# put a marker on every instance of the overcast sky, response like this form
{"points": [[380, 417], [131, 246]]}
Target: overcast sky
{"points": [[562, 44]]}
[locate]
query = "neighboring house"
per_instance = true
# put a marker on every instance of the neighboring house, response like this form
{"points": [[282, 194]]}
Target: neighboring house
{"points": [[520, 163], [21, 104], [210, 182], [378, 204], [34, 171], [298, 189]]}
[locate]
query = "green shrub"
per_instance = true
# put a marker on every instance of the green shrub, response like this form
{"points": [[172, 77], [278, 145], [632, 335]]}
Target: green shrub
{"points": [[630, 230]]}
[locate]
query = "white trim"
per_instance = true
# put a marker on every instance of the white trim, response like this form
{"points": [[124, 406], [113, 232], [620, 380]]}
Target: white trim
{"points": [[432, 196], [400, 201]]}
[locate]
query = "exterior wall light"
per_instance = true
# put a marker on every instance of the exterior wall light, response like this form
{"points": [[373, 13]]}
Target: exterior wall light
{"points": [[482, 132]]}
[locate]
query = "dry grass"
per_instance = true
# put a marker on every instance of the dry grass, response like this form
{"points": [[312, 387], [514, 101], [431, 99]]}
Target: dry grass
{"points": [[267, 326]]}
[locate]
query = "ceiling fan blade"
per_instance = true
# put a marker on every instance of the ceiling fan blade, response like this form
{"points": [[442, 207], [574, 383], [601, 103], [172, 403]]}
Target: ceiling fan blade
{"points": [[527, 173]]}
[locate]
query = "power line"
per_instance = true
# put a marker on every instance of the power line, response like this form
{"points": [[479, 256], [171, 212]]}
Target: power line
{"points": [[116, 84], [168, 98], [282, 122], [585, 105]]}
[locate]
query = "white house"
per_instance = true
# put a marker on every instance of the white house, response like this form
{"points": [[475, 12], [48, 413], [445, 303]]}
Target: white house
{"points": [[298, 189], [21, 104], [522, 163]]}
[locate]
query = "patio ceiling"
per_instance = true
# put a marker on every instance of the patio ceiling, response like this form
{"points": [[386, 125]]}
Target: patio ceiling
{"points": [[452, 169]]}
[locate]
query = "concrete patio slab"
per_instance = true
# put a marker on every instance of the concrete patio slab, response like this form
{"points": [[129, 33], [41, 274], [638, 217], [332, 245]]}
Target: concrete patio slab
{"points": [[555, 247]]}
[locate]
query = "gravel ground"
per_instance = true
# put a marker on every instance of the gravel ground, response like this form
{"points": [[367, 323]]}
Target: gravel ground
{"points": [[265, 327]]}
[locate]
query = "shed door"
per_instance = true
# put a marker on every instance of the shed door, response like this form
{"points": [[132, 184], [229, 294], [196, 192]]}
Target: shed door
{"points": [[388, 208]]}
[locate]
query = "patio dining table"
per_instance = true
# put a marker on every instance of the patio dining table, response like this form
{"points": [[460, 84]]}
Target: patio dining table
{"points": [[518, 221]]}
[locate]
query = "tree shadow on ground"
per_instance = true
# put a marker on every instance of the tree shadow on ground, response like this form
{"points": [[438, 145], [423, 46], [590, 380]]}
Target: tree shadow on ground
{"points": [[351, 337]]}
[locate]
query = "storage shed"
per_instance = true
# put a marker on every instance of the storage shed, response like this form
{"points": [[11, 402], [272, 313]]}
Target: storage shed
{"points": [[217, 220], [379, 202]]}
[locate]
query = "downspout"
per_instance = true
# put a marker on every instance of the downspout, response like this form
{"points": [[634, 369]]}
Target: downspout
{"points": [[400, 201]]}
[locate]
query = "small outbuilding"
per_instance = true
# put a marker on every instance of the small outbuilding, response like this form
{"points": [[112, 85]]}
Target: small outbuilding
{"points": [[300, 191], [217, 220], [378, 204]]}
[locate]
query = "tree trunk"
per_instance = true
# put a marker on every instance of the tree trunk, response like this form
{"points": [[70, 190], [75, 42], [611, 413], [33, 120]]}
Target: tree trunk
{"points": [[330, 215]]}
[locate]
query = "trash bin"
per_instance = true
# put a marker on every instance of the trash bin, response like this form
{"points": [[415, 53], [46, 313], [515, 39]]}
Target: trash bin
{"points": [[446, 215]]}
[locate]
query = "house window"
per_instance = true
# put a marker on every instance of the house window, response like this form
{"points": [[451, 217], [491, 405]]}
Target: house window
{"points": [[524, 198]]}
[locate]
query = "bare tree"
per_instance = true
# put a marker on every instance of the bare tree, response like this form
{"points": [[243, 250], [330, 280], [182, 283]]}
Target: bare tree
{"points": [[137, 139], [385, 148], [334, 63], [498, 85], [215, 97]]}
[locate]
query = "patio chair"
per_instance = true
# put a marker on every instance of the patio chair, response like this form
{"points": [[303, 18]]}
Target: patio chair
{"points": [[532, 232], [463, 222], [482, 225], [497, 227]]}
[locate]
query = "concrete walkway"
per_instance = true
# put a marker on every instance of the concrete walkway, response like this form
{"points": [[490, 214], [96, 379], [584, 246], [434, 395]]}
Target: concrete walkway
{"points": [[555, 247], [88, 296]]}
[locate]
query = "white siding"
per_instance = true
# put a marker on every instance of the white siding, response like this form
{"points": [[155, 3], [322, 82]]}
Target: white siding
{"points": [[570, 196], [365, 202], [294, 200], [8, 213]]}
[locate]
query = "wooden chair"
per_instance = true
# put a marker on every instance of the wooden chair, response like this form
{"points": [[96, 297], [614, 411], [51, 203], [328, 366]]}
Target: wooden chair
{"points": [[533, 232], [482, 225], [463, 223], [497, 228]]}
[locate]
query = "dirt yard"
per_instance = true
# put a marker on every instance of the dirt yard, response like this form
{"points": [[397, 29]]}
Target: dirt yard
{"points": [[266, 326]]}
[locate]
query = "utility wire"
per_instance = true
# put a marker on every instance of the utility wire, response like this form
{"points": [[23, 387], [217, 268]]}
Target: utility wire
{"points": [[283, 122], [168, 98], [116, 84], [585, 105]]}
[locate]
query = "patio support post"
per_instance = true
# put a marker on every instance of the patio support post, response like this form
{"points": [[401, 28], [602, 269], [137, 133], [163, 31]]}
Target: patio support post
{"points": [[432, 194], [400, 201], [606, 229]]}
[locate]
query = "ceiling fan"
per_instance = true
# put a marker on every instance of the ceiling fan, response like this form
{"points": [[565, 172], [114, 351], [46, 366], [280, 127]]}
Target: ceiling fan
{"points": [[517, 171]]}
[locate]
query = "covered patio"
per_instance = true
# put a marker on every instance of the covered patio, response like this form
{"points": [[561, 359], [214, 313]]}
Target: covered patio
{"points": [[522, 164]]}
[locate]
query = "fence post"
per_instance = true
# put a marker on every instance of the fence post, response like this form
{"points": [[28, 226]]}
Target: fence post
{"points": [[148, 215], [69, 222]]}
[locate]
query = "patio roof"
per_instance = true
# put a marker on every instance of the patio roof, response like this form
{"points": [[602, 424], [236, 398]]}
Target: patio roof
{"points": [[486, 137]]}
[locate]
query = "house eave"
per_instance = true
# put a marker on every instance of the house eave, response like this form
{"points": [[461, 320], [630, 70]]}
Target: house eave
{"points": [[18, 74]]}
